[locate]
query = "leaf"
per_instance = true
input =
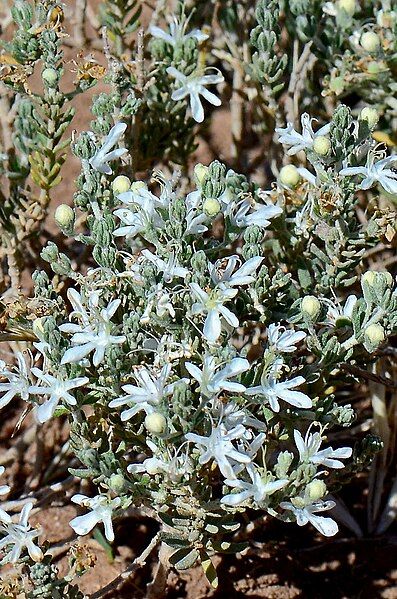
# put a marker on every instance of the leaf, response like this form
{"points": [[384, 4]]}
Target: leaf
{"points": [[209, 569], [184, 558]]}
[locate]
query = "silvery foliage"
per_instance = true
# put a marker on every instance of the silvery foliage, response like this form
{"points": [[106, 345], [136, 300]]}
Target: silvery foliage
{"points": [[158, 339]]}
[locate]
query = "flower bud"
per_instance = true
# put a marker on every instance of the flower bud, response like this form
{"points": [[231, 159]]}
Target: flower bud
{"points": [[121, 184], [349, 6], [375, 334], [138, 186], [370, 41], [200, 172], [369, 277], [155, 423], [211, 207], [311, 306], [289, 175], [117, 483], [321, 145], [64, 217], [315, 490], [38, 327], [370, 115], [50, 77]]}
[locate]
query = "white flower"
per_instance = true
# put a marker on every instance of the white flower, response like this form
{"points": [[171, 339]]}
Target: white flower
{"points": [[177, 34], [300, 141], [195, 218], [160, 301], [212, 305], [241, 217], [105, 154], [140, 217], [170, 267], [173, 465], [337, 315], [258, 489], [149, 393], [273, 391], [101, 511], [94, 334], [4, 489], [212, 382], [309, 446], [57, 389], [21, 536], [222, 271], [219, 447], [193, 87], [139, 194], [18, 381], [375, 172], [283, 340], [306, 512]]}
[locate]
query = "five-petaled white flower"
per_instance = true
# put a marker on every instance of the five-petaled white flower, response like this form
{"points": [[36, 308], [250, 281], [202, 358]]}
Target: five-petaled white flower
{"points": [[305, 512], [282, 339], [106, 154], [21, 536], [223, 271], [138, 218], [212, 304], [170, 267], [274, 390], [375, 172], [4, 489], [213, 382], [177, 34], [149, 393], [101, 511], [300, 141], [19, 381], [94, 334], [219, 447], [247, 213], [57, 389], [194, 86], [258, 489], [309, 450]]}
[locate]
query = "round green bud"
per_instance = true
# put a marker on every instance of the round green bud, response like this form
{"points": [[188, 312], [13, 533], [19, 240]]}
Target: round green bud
{"points": [[370, 115], [375, 333], [50, 76], [369, 277], [121, 184], [200, 172], [289, 175], [348, 6], [374, 68], [321, 145], [315, 490], [311, 306], [211, 207], [64, 216], [155, 423], [117, 483], [370, 41]]}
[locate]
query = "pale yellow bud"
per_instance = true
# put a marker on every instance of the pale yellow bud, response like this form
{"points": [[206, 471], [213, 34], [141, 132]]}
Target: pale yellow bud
{"points": [[37, 326], [211, 207], [321, 145], [64, 216], [50, 76], [370, 41], [138, 186], [311, 306], [155, 423], [315, 490], [200, 172], [289, 175], [369, 277], [121, 184], [348, 6], [375, 333], [370, 115], [117, 483]]}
